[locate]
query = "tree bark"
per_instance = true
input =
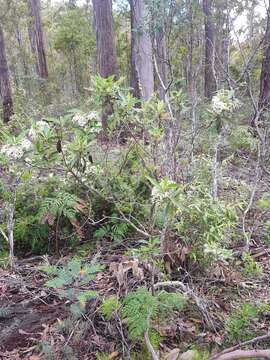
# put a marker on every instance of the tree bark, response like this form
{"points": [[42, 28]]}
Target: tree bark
{"points": [[209, 76], [107, 61], [134, 77], [264, 97], [5, 88], [162, 61], [32, 41], [141, 52], [37, 41]]}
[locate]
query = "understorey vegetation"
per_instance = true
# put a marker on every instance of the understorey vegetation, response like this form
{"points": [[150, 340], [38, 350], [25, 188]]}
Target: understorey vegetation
{"points": [[134, 188]]}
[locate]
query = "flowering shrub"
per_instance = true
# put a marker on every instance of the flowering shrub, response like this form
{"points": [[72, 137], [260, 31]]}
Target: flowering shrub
{"points": [[224, 101]]}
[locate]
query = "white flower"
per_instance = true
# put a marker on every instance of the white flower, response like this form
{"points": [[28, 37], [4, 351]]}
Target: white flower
{"points": [[92, 115], [14, 152], [26, 144], [39, 126], [42, 125], [93, 170], [80, 120], [223, 101]]}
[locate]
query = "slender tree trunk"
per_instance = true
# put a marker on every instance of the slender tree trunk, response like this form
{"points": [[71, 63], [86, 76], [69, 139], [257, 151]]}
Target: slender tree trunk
{"points": [[222, 46], [264, 97], [162, 61], [36, 39], [32, 41], [5, 88], [141, 52], [209, 77], [134, 77], [107, 60]]}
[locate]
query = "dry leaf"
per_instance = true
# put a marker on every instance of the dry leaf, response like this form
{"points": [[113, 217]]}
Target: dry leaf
{"points": [[113, 355], [78, 227], [173, 354]]}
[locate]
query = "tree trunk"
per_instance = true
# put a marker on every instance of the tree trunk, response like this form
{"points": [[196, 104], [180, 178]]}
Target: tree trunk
{"points": [[141, 52], [37, 43], [31, 35], [5, 88], [209, 77], [264, 98], [162, 61], [134, 77], [107, 60]]}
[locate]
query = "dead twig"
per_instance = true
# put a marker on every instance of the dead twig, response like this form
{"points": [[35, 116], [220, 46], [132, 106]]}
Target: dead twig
{"points": [[150, 348], [245, 354], [232, 349]]}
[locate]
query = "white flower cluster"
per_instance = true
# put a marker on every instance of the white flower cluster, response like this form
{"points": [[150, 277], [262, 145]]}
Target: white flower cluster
{"points": [[93, 170], [224, 101], [80, 119], [16, 151], [93, 115], [39, 126]]}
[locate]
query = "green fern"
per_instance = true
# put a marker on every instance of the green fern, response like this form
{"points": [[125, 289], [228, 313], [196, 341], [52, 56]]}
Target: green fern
{"points": [[115, 230], [69, 278], [140, 308], [68, 274], [109, 307], [61, 205]]}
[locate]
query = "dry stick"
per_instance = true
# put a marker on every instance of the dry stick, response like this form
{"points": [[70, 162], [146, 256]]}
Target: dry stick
{"points": [[245, 354], [251, 200], [215, 167], [149, 346], [236, 347]]}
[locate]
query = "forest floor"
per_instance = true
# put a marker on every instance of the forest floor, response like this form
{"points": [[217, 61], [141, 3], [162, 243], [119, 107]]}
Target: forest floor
{"points": [[34, 312]]}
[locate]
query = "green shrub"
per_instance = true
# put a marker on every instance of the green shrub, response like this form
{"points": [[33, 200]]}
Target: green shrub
{"points": [[241, 324]]}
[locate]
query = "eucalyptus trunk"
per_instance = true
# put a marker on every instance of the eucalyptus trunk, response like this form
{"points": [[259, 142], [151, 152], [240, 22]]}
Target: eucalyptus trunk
{"points": [[107, 61], [36, 38], [209, 75], [5, 87], [162, 62], [264, 97], [106, 49], [141, 51]]}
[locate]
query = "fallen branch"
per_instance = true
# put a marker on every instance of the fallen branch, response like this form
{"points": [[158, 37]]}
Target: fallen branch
{"points": [[232, 349], [245, 354], [150, 348]]}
